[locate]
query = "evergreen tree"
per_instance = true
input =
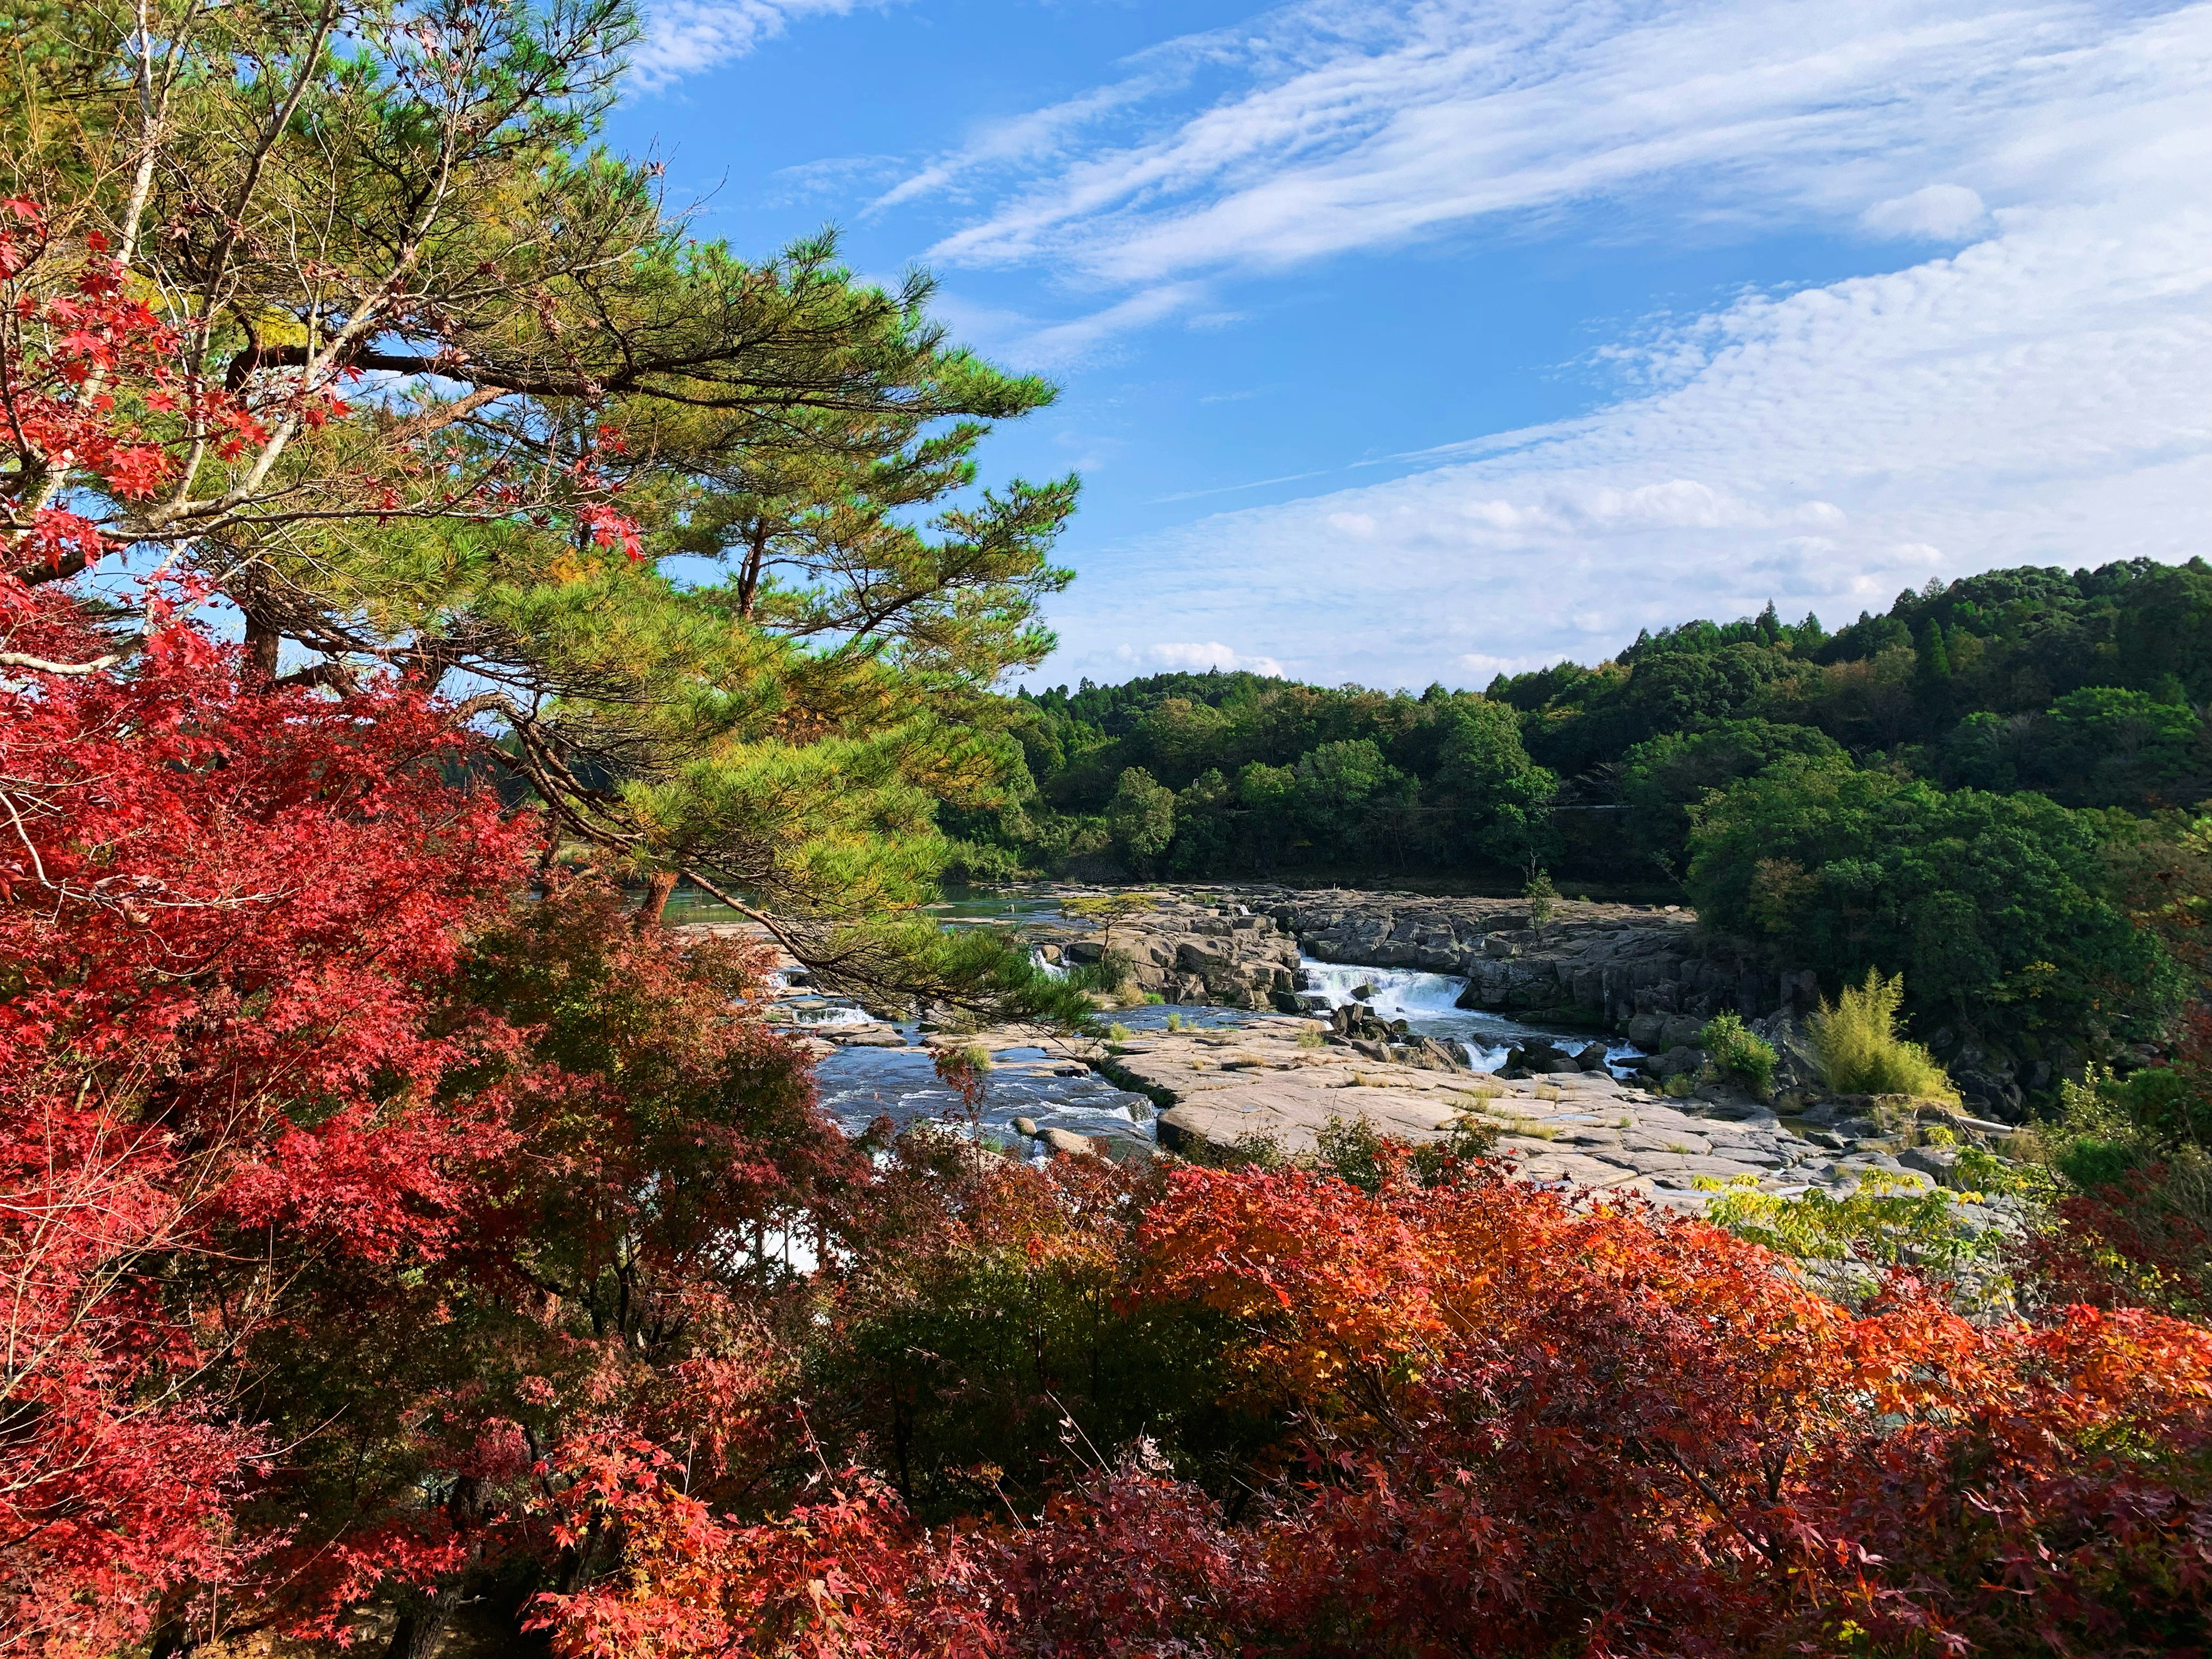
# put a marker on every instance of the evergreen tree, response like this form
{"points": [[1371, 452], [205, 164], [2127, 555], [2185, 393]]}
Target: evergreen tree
{"points": [[572, 395]]}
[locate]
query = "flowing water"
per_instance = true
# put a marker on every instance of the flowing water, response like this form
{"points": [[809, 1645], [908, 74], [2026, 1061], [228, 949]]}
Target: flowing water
{"points": [[1428, 1005], [860, 1084]]}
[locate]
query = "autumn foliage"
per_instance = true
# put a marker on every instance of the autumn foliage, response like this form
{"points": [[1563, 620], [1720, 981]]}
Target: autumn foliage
{"points": [[400, 1245], [383, 1256]]}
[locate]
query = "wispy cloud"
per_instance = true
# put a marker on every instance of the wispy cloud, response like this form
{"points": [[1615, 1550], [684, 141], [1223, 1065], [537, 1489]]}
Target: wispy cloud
{"points": [[2037, 398], [687, 37], [1028, 343], [1359, 125]]}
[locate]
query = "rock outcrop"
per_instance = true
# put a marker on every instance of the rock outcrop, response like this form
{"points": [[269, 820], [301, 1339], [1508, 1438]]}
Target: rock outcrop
{"points": [[1191, 948], [1266, 1089], [1637, 970], [1633, 968]]}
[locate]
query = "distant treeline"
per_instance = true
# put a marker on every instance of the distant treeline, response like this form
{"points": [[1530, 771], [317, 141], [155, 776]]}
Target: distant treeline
{"points": [[1986, 752]]}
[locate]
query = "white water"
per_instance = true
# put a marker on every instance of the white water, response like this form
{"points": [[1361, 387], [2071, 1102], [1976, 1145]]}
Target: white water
{"points": [[832, 1013], [1398, 992], [1428, 1003]]}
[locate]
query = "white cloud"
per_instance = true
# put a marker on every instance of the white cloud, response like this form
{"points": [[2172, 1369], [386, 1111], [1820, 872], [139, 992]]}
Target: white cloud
{"points": [[1937, 212], [1478, 668], [687, 37], [1028, 343], [2035, 399], [1196, 659], [2036, 396], [1363, 125]]}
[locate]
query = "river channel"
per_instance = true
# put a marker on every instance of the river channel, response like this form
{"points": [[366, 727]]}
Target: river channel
{"points": [[1054, 1089]]}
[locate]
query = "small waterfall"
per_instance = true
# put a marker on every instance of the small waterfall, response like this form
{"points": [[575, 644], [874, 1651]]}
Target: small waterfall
{"points": [[1050, 969], [809, 1012], [1399, 992], [1429, 1003]]}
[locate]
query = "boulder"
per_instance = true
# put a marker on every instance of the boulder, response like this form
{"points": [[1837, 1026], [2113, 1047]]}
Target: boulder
{"points": [[1203, 957], [1066, 1141], [1024, 1126], [1592, 1058], [1937, 1163]]}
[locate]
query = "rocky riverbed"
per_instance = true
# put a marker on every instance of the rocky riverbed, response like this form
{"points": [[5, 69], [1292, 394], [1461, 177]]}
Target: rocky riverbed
{"points": [[1598, 965], [1400, 1046], [1642, 973]]}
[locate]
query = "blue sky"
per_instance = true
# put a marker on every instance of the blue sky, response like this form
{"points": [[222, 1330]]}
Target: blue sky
{"points": [[1416, 342]]}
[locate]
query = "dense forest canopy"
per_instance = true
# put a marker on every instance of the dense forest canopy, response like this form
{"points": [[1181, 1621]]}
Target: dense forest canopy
{"points": [[2087, 688]]}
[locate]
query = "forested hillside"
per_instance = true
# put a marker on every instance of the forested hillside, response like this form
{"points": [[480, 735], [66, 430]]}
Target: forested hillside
{"points": [[2086, 688]]}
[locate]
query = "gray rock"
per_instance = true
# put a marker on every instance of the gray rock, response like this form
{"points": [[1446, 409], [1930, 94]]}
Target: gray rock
{"points": [[1023, 1126], [1936, 1161], [1066, 1141]]}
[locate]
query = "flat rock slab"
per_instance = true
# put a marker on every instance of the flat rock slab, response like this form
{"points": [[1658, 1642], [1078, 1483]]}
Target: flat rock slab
{"points": [[1260, 1086]]}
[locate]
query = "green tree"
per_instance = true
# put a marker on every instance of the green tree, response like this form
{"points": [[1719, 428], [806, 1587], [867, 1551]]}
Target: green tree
{"points": [[1500, 798], [1141, 816], [1997, 909], [1663, 777], [574, 399], [1340, 787]]}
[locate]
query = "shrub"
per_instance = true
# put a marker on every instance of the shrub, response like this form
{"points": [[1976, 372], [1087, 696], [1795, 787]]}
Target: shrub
{"points": [[2139, 1234], [1309, 1038], [1890, 1222], [1113, 970], [1352, 1151], [1740, 1052], [1859, 1051]]}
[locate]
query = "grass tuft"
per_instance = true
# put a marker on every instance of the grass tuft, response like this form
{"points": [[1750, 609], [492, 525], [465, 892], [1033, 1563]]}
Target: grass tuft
{"points": [[1860, 1053]]}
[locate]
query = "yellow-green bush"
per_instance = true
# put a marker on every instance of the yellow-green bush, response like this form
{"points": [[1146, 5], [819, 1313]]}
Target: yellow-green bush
{"points": [[1859, 1051], [1887, 1221]]}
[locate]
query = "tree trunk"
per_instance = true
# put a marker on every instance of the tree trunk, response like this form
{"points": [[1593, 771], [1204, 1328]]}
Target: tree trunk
{"points": [[262, 639], [656, 899], [422, 1627]]}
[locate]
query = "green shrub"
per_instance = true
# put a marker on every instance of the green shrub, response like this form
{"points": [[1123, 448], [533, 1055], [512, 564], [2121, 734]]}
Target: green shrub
{"points": [[1352, 1150], [1309, 1038], [1858, 1050], [1542, 898], [1118, 1032], [1740, 1052], [1175, 1022], [1113, 969], [2089, 1163], [1887, 1221], [1256, 1150]]}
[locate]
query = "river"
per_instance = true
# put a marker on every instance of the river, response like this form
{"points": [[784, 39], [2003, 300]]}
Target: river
{"points": [[859, 1084]]}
